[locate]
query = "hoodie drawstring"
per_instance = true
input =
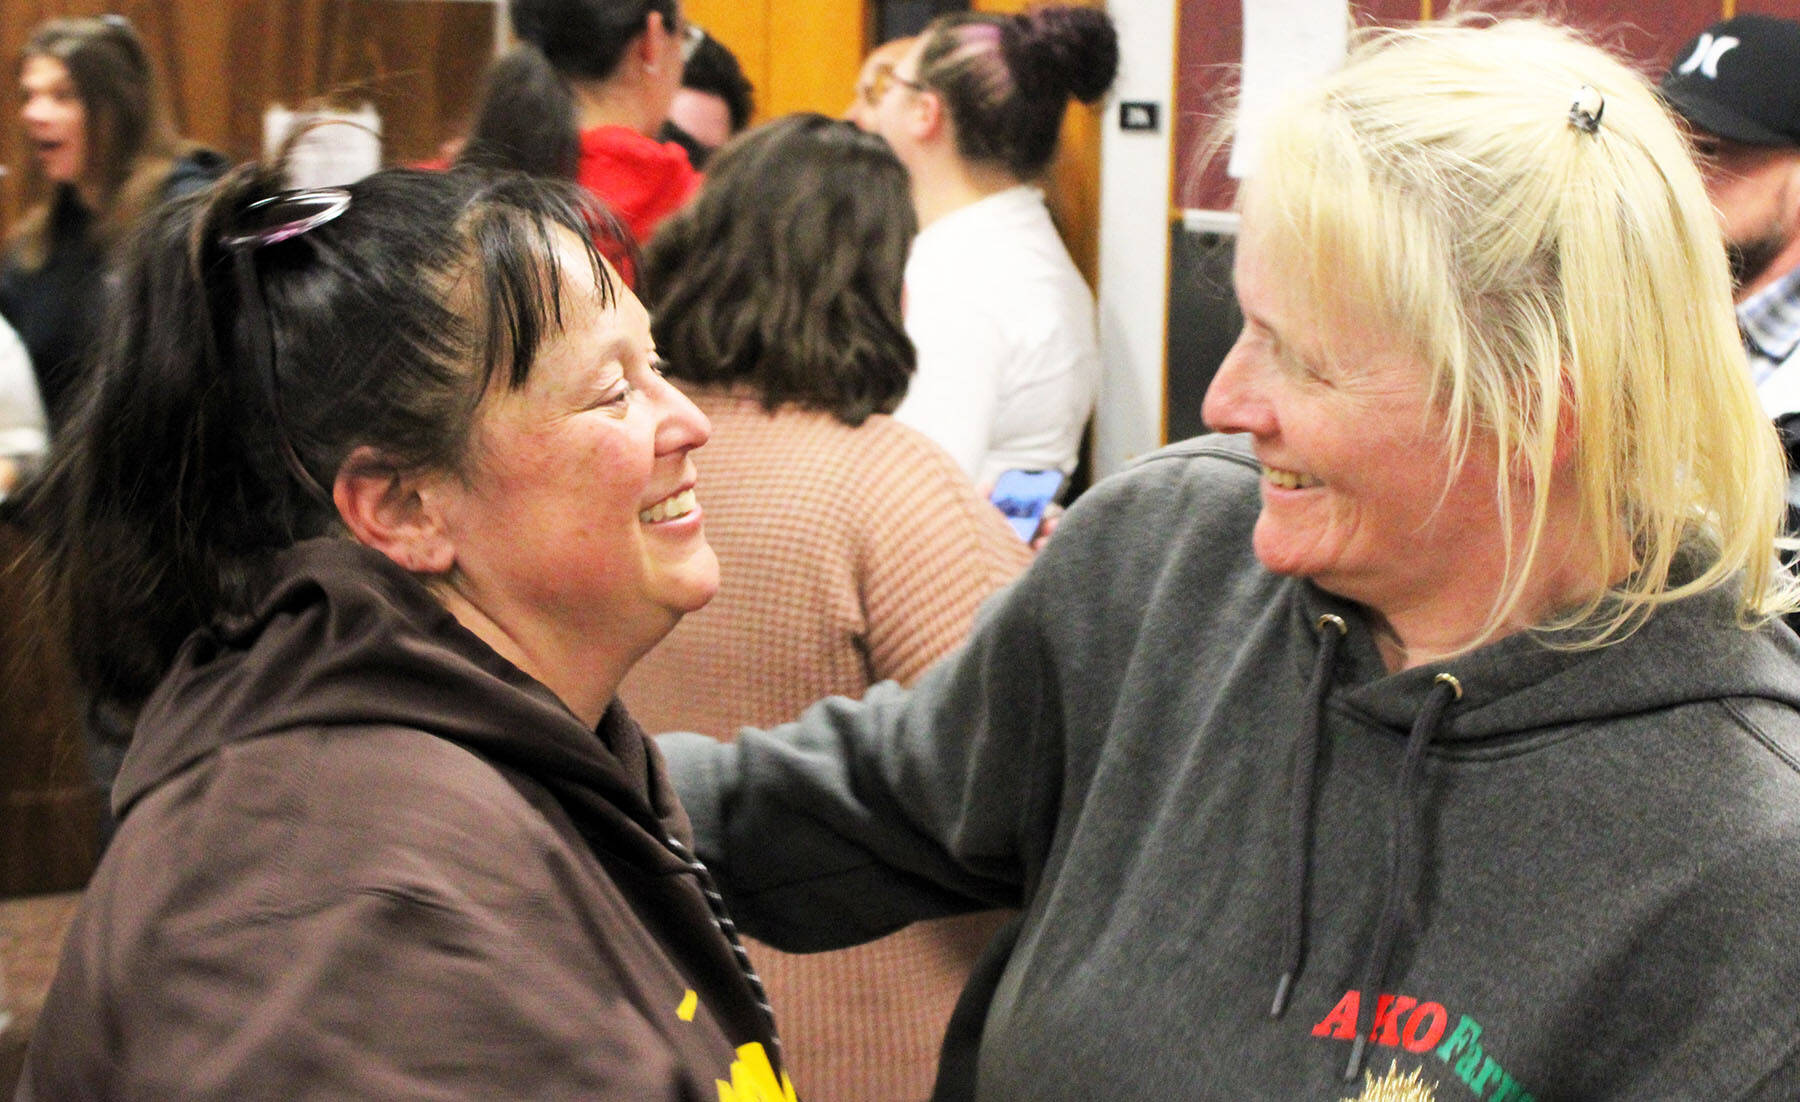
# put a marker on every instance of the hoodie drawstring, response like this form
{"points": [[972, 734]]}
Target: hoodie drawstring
{"points": [[1405, 850], [722, 919], [1405, 858], [1300, 811]]}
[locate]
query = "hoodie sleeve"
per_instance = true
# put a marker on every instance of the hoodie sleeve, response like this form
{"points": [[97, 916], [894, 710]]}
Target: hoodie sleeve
{"points": [[863, 816], [899, 807], [377, 914], [403, 996]]}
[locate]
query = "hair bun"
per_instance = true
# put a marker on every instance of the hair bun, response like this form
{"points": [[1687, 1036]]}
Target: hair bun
{"points": [[1076, 49]]}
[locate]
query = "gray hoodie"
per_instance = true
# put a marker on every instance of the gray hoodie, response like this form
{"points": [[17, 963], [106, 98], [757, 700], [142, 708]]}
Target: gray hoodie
{"points": [[1238, 842]]}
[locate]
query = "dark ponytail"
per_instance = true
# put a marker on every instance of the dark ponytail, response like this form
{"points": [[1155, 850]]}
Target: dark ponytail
{"points": [[526, 119], [232, 382], [1064, 52], [1007, 78], [586, 39]]}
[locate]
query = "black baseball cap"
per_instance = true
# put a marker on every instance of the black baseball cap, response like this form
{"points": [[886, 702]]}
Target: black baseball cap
{"points": [[1740, 79]]}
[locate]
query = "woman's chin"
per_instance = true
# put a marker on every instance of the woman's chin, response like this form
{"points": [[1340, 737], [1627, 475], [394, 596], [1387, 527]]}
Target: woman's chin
{"points": [[699, 580]]}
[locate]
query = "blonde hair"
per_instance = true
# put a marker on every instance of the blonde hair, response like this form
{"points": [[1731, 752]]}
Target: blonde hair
{"points": [[1564, 286]]}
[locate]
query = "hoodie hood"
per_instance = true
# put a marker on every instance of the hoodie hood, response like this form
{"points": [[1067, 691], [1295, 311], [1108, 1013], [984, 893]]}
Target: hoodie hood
{"points": [[1525, 683], [338, 633], [1521, 688]]}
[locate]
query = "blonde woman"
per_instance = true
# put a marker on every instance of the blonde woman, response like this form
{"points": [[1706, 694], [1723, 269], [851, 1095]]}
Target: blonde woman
{"points": [[1430, 728]]}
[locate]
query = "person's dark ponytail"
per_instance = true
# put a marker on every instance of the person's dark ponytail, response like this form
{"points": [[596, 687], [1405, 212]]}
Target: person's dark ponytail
{"points": [[526, 118], [141, 503], [1007, 79], [1073, 50]]}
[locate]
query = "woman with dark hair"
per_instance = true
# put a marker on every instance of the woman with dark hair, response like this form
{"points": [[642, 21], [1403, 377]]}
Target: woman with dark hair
{"points": [[384, 830], [854, 550], [583, 95], [1004, 324], [104, 152]]}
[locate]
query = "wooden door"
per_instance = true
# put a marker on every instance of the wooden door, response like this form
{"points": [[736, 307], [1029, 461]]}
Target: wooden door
{"points": [[802, 55], [222, 62]]}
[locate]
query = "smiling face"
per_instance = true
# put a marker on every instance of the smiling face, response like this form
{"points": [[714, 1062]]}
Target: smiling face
{"points": [[55, 118], [575, 526], [1357, 489]]}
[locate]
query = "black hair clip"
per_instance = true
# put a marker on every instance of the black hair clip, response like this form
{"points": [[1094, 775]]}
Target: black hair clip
{"points": [[282, 217], [1585, 111]]}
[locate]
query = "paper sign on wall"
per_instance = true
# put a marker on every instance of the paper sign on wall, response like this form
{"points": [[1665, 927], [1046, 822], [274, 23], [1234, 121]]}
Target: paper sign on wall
{"points": [[1288, 44], [334, 148]]}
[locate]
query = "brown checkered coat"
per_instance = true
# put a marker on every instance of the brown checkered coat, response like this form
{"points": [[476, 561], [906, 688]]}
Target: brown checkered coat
{"points": [[848, 556]]}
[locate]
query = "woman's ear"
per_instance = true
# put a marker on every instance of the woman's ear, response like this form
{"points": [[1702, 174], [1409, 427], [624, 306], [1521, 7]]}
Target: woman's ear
{"points": [[649, 43], [386, 509], [926, 119]]}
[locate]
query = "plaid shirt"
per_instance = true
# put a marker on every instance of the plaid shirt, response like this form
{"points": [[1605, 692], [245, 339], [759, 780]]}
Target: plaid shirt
{"points": [[1770, 322]]}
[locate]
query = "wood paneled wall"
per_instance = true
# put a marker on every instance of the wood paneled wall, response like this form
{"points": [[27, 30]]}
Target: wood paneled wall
{"points": [[419, 61], [1211, 41], [49, 806], [802, 55], [223, 61]]}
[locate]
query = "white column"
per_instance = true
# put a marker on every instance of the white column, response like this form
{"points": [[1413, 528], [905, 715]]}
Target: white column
{"points": [[1135, 169]]}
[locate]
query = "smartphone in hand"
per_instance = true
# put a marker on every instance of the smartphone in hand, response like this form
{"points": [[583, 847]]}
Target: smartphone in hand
{"points": [[1022, 496]]}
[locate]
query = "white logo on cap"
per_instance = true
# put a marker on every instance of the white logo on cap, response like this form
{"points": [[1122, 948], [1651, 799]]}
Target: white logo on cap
{"points": [[1706, 55]]}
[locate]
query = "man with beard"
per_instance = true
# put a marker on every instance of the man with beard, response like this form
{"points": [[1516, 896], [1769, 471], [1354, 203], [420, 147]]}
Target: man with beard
{"points": [[1734, 83]]}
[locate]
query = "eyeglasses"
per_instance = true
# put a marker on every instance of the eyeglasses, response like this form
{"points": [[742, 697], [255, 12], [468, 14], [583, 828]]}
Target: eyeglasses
{"points": [[692, 34], [259, 225], [883, 81]]}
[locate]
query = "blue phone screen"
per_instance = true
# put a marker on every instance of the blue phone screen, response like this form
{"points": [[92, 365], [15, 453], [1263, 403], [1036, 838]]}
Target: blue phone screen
{"points": [[1022, 497]]}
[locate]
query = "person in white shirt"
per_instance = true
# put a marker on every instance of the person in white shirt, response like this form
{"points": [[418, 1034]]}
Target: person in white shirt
{"points": [[23, 433], [1003, 323]]}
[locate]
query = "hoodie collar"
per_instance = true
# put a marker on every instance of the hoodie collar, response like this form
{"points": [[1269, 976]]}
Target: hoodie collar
{"points": [[1688, 651], [344, 637]]}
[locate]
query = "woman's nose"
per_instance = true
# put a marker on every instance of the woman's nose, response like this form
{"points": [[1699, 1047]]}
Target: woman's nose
{"points": [[681, 425], [1234, 401]]}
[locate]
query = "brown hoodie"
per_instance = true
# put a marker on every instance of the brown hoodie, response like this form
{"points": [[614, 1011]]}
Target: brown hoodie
{"points": [[362, 855]]}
